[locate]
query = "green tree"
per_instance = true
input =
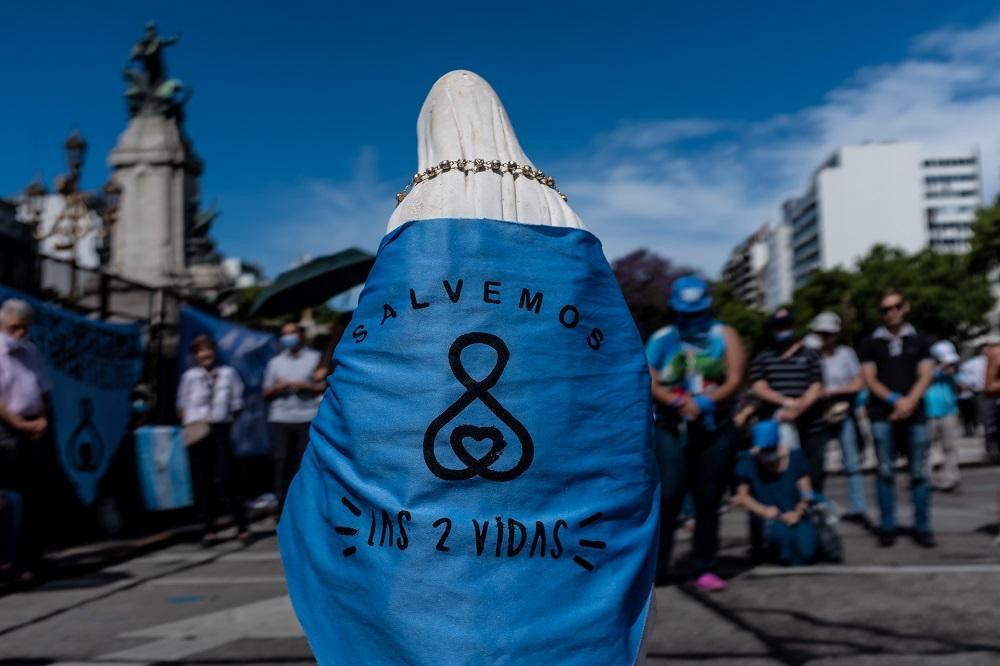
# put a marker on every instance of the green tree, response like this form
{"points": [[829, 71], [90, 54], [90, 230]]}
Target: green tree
{"points": [[947, 299], [750, 323], [985, 253]]}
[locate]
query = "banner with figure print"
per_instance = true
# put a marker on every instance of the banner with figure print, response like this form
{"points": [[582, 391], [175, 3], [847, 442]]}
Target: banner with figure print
{"points": [[480, 484], [246, 351], [92, 367]]}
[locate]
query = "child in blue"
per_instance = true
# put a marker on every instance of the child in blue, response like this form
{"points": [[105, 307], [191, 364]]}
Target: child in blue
{"points": [[773, 485]]}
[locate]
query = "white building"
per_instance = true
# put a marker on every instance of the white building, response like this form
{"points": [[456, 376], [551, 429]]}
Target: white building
{"points": [[892, 193], [744, 269], [778, 286]]}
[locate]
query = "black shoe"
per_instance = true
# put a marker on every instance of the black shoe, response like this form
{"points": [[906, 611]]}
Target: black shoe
{"points": [[886, 538], [924, 539], [860, 518]]}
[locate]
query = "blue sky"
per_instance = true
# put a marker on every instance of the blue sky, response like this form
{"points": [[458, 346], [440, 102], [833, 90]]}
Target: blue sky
{"points": [[670, 126]]}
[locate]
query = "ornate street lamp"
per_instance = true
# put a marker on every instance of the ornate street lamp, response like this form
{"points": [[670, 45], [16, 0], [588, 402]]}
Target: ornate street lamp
{"points": [[76, 149]]}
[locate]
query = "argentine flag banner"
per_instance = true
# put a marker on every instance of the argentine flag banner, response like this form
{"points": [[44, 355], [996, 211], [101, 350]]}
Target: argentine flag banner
{"points": [[480, 483]]}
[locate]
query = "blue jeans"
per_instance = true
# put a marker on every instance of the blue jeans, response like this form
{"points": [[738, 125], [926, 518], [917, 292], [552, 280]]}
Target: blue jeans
{"points": [[846, 433], [914, 440], [698, 464], [791, 546]]}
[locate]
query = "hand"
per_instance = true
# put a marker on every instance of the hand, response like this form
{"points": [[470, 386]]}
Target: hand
{"points": [[689, 409], [903, 408], [771, 512], [788, 414], [36, 427], [791, 517]]}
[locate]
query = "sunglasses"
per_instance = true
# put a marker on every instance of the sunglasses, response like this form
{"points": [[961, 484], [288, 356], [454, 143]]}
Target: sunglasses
{"points": [[886, 309]]}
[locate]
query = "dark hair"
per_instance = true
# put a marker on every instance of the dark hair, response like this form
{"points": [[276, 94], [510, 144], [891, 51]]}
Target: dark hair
{"points": [[202, 341]]}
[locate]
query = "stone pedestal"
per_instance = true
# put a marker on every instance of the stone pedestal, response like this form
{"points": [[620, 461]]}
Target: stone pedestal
{"points": [[158, 172]]}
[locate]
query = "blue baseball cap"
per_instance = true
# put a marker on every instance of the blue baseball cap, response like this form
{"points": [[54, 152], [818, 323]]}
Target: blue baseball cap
{"points": [[690, 294], [765, 435]]}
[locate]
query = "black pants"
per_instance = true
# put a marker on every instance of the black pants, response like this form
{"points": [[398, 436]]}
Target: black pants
{"points": [[700, 465], [288, 443], [215, 478], [20, 469], [813, 438], [968, 409], [989, 414]]}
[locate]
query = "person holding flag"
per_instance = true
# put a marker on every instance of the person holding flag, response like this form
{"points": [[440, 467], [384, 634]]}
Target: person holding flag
{"points": [[480, 483], [697, 365]]}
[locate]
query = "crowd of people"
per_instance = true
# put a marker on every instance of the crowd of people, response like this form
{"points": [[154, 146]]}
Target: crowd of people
{"points": [[209, 397], [756, 428], [761, 430]]}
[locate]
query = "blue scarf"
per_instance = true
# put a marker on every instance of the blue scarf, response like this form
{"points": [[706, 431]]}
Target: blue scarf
{"points": [[479, 484]]}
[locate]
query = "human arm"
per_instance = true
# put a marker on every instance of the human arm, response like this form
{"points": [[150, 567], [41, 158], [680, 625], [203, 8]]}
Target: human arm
{"points": [[805, 492], [904, 407], [660, 394], [992, 386], [183, 395], [235, 393], [273, 386], [33, 428], [744, 499]]}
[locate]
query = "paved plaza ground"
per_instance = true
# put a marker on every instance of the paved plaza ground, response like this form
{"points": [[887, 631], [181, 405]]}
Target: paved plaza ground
{"points": [[903, 605]]}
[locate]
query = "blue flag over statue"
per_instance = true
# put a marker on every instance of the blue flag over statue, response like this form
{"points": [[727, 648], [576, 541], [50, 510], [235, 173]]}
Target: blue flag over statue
{"points": [[92, 366], [480, 481]]}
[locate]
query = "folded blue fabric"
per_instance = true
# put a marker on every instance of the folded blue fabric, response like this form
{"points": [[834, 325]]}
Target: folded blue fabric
{"points": [[480, 484]]}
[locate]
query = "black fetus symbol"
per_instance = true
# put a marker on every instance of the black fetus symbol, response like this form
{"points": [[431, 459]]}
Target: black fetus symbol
{"points": [[86, 446], [478, 390]]}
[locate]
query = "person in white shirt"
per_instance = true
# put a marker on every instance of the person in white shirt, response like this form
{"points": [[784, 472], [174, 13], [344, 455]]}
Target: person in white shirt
{"points": [[294, 394], [208, 398], [971, 379]]}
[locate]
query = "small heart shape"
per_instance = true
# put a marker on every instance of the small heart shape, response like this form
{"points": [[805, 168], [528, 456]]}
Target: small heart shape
{"points": [[478, 434]]}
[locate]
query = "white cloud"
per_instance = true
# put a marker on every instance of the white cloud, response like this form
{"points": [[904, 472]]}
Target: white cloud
{"points": [[691, 188], [693, 203]]}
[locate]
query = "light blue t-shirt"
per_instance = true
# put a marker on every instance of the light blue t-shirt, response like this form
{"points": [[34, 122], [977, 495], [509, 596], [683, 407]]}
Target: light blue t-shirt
{"points": [[941, 398], [292, 406]]}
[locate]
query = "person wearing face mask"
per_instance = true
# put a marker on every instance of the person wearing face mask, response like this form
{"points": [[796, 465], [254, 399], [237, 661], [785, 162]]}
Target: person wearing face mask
{"points": [[24, 388], [788, 379], [294, 394], [773, 485], [697, 365], [208, 398]]}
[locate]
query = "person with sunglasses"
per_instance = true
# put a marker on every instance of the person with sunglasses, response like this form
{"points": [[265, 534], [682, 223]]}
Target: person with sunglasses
{"points": [[898, 366]]}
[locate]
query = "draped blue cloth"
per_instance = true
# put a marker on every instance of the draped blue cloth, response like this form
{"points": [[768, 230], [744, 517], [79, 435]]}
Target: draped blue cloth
{"points": [[480, 484]]}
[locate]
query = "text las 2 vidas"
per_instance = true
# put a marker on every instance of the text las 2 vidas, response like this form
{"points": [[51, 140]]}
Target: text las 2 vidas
{"points": [[493, 294]]}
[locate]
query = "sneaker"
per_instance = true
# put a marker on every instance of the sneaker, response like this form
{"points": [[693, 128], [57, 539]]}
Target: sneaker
{"points": [[709, 582], [886, 538], [924, 539]]}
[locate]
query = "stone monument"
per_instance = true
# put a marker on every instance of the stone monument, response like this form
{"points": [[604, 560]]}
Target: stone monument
{"points": [[161, 234]]}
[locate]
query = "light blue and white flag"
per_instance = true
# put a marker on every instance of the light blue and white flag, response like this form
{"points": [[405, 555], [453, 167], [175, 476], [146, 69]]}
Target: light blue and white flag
{"points": [[163, 468], [480, 485]]}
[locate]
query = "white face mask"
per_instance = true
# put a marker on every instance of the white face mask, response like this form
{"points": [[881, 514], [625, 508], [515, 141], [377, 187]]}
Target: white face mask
{"points": [[12, 342]]}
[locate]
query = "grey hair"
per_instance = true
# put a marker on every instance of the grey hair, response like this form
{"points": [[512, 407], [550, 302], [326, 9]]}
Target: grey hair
{"points": [[17, 308]]}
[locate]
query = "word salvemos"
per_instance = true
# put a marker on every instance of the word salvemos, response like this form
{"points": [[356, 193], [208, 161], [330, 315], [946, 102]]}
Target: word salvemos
{"points": [[493, 293]]}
